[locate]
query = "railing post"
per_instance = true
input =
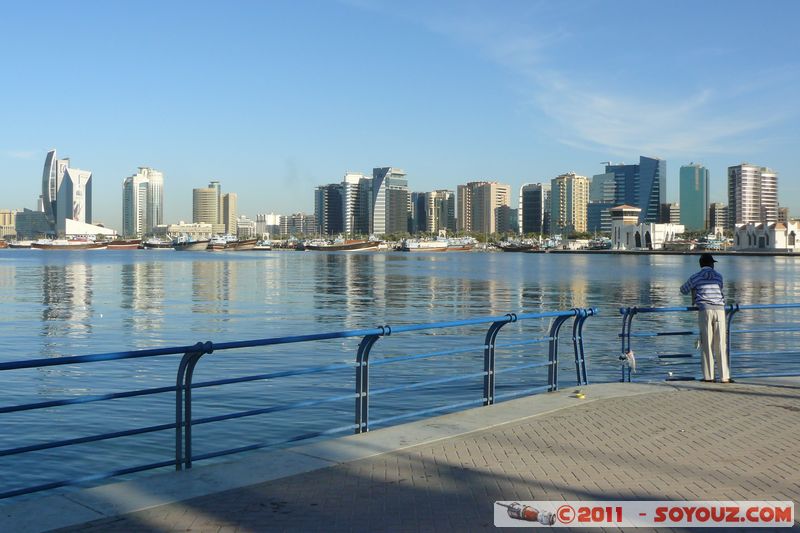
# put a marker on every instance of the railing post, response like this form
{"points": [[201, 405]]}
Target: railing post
{"points": [[552, 369], [362, 379], [733, 309], [577, 341], [627, 322], [183, 404], [489, 358]]}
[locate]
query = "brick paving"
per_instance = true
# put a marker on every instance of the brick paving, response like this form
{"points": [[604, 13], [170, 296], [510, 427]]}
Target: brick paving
{"points": [[692, 442]]}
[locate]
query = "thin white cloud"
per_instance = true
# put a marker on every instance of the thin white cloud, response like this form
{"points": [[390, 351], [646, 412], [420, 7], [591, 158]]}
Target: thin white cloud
{"points": [[725, 118]]}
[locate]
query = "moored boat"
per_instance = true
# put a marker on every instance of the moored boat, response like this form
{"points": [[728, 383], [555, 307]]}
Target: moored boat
{"points": [[461, 244], [121, 244], [352, 245], [154, 243], [417, 245], [190, 246], [516, 246], [20, 244], [67, 244], [243, 245], [3, 244], [263, 245]]}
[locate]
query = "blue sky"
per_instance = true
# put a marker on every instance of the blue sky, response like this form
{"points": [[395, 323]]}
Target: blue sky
{"points": [[274, 98]]}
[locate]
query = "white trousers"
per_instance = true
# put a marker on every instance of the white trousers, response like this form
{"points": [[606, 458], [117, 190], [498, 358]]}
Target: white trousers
{"points": [[713, 342]]}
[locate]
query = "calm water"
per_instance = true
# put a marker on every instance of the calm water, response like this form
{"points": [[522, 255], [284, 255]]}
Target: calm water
{"points": [[68, 303]]}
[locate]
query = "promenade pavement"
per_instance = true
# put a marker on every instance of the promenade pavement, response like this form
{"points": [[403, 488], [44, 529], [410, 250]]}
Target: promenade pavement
{"points": [[668, 441]]}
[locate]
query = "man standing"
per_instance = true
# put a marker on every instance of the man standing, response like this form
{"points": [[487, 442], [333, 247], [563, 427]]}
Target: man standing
{"points": [[706, 289]]}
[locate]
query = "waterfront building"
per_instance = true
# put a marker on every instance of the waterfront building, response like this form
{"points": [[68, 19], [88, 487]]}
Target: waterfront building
{"points": [[196, 231], [206, 207], [230, 212], [671, 213], [441, 211], [390, 201], [66, 193], [694, 179], [298, 224], [245, 228], [8, 223], [357, 202], [783, 215], [418, 221], [775, 237], [481, 206], [29, 225], [642, 186], [569, 197], [717, 216], [534, 209], [602, 191], [268, 225], [329, 208], [627, 233], [142, 202], [752, 195]]}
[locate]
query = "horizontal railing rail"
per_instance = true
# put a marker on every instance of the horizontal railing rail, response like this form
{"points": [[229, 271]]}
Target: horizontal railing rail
{"points": [[628, 358], [191, 355]]}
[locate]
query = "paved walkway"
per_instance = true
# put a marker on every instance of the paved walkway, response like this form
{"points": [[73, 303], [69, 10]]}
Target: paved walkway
{"points": [[687, 441]]}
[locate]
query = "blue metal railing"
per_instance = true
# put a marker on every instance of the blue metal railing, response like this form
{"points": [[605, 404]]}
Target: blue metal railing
{"points": [[629, 313], [192, 354]]}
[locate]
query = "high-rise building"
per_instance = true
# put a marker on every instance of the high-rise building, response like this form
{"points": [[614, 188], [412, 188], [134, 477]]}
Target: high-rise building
{"points": [[8, 223], [142, 202], [479, 207], [569, 196], [329, 208], [356, 199], [230, 213], [268, 225], [390, 201], [66, 193], [206, 204], [752, 195], [783, 215], [245, 228], [418, 222], [694, 197], [602, 192], [717, 216], [440, 211], [642, 186], [534, 208], [671, 213], [298, 224]]}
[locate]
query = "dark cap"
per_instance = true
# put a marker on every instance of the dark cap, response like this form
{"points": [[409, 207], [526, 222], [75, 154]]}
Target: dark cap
{"points": [[707, 260]]}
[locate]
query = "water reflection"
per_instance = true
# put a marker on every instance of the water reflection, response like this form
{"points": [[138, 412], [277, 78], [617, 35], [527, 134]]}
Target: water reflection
{"points": [[213, 287], [67, 300], [142, 293]]}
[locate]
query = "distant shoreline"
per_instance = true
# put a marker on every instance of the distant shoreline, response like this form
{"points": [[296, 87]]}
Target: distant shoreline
{"points": [[673, 252]]}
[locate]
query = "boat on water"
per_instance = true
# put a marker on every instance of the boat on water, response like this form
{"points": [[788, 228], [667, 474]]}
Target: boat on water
{"points": [[67, 244], [461, 244], [423, 245], [222, 242], [244, 245], [121, 244], [517, 246], [342, 245], [599, 243], [263, 246], [20, 244], [3, 244], [191, 246], [154, 243]]}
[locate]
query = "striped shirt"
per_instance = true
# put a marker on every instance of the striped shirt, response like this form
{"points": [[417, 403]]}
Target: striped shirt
{"points": [[707, 287]]}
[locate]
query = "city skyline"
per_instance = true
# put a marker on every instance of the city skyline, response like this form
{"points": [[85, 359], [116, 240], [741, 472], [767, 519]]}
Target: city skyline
{"points": [[497, 93]]}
